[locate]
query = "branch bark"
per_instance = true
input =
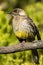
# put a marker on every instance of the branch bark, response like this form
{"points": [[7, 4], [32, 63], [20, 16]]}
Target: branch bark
{"points": [[22, 47]]}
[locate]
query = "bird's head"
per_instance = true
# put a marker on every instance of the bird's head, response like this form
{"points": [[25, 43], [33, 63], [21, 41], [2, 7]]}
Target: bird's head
{"points": [[18, 11]]}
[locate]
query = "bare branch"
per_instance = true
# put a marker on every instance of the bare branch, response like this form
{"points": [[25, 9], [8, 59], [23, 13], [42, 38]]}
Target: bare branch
{"points": [[22, 47]]}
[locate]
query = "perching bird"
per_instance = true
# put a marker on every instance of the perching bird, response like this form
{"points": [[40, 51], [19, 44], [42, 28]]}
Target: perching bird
{"points": [[25, 29]]}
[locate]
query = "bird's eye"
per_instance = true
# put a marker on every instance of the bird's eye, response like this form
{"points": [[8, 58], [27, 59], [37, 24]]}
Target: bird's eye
{"points": [[15, 10]]}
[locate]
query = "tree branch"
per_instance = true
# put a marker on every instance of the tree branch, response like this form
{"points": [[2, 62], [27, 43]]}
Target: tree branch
{"points": [[22, 47]]}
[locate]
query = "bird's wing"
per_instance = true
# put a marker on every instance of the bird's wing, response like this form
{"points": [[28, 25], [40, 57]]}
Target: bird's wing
{"points": [[36, 31]]}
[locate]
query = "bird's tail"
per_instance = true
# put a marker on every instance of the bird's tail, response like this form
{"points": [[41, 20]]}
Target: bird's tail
{"points": [[34, 51], [35, 56]]}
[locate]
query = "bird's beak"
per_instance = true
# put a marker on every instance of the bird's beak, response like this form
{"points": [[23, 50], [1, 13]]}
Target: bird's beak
{"points": [[9, 12], [12, 13]]}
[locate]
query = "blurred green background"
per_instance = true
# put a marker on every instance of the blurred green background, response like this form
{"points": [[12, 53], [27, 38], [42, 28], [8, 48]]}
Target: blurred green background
{"points": [[34, 9]]}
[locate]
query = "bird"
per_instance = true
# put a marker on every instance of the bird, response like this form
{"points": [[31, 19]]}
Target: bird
{"points": [[25, 29]]}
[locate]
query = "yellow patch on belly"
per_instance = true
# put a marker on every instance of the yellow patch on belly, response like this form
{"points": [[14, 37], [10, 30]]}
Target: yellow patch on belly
{"points": [[21, 34]]}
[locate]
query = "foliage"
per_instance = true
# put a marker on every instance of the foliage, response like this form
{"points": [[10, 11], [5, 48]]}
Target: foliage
{"points": [[7, 37]]}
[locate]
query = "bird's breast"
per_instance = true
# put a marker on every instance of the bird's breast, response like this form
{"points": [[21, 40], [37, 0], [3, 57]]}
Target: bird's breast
{"points": [[22, 29]]}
